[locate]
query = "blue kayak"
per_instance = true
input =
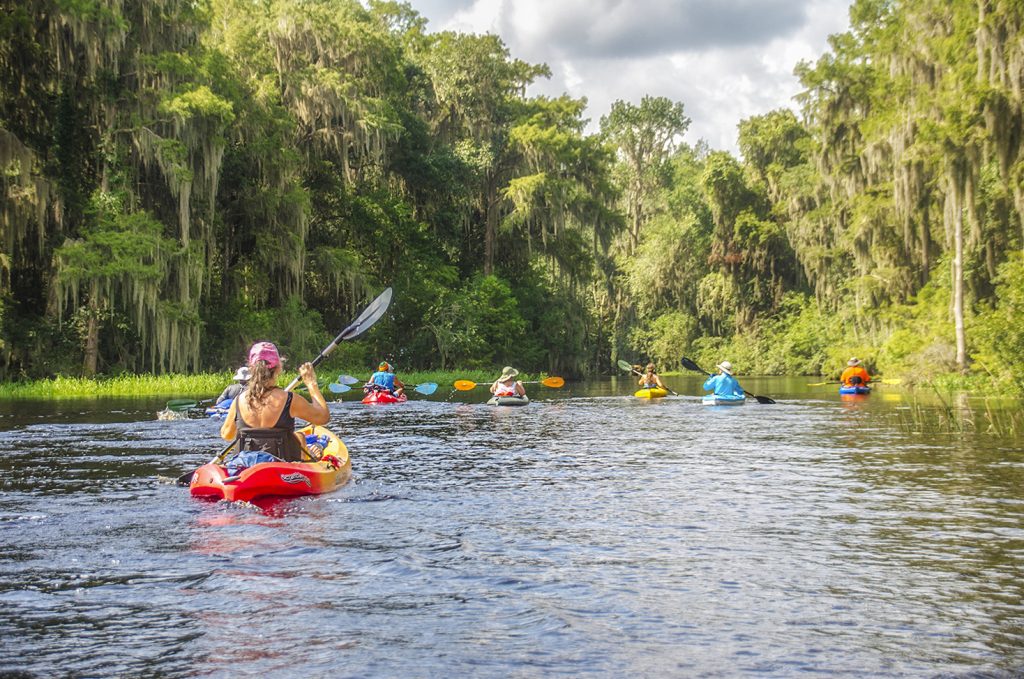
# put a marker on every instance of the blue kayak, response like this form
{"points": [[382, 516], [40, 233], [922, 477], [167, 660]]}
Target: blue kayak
{"points": [[855, 389], [218, 411], [715, 400]]}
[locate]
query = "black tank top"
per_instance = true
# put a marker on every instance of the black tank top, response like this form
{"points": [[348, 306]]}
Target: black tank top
{"points": [[279, 440]]}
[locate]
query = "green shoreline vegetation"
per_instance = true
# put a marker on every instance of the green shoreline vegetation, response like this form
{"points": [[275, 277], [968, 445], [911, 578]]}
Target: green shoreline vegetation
{"points": [[208, 385]]}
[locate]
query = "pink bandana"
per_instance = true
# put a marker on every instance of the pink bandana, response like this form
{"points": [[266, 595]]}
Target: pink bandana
{"points": [[265, 351]]}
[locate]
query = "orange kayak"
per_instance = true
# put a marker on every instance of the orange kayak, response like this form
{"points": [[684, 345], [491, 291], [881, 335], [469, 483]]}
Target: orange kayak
{"points": [[278, 479]]}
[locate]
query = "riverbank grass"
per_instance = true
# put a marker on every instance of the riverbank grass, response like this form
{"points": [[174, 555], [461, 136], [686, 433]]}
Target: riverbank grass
{"points": [[210, 384]]}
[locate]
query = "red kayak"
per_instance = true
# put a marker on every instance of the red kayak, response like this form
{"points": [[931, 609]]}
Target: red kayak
{"points": [[382, 397], [278, 479]]}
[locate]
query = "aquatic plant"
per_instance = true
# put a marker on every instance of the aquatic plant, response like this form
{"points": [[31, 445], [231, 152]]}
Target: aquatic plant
{"points": [[946, 411]]}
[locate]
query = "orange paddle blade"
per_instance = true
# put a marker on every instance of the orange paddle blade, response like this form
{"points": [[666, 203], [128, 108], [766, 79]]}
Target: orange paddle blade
{"points": [[554, 382], [464, 385]]}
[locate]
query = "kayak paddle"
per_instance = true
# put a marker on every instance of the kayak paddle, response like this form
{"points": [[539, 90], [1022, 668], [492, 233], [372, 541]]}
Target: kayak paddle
{"points": [[553, 382], [625, 365], [887, 380], [690, 365], [181, 405], [363, 322], [342, 384], [427, 388]]}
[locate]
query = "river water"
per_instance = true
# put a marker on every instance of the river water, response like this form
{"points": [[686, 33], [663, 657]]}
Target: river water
{"points": [[590, 533]]}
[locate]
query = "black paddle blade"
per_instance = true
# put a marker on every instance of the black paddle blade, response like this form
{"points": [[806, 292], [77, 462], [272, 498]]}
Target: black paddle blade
{"points": [[186, 478], [763, 400], [690, 365]]}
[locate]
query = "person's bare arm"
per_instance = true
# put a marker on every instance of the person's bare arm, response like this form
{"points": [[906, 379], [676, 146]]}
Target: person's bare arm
{"points": [[315, 412], [228, 430]]}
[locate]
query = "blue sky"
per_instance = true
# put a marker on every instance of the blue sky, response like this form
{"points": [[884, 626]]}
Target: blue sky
{"points": [[725, 60]]}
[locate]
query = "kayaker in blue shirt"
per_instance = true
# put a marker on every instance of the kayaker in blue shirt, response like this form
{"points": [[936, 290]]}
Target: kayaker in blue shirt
{"points": [[384, 380], [724, 384]]}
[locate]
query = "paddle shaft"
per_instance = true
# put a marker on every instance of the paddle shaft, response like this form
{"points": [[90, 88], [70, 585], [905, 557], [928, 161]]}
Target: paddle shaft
{"points": [[552, 382]]}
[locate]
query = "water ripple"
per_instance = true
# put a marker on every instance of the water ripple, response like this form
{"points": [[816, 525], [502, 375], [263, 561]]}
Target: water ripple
{"points": [[600, 535]]}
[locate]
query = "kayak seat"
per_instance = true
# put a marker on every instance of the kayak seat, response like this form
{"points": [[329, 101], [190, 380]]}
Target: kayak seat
{"points": [[283, 445]]}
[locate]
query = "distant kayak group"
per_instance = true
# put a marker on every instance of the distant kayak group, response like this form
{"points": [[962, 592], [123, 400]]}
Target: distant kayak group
{"points": [[725, 388], [267, 457]]}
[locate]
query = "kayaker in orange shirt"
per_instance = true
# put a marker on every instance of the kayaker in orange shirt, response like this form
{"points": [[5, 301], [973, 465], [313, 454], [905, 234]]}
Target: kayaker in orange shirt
{"points": [[854, 374], [651, 379]]}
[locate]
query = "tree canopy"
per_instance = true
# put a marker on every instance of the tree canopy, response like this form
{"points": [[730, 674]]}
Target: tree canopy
{"points": [[182, 178]]}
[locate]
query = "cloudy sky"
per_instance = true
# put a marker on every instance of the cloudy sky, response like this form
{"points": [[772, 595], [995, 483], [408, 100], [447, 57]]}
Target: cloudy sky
{"points": [[725, 60]]}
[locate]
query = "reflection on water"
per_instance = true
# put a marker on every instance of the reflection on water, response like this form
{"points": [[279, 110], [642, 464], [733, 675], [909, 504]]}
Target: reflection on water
{"points": [[589, 532]]}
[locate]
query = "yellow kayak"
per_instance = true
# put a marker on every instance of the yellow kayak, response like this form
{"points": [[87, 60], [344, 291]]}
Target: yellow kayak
{"points": [[656, 392]]}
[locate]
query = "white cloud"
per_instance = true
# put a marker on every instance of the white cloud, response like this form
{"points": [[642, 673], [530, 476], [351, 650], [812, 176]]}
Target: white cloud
{"points": [[725, 60]]}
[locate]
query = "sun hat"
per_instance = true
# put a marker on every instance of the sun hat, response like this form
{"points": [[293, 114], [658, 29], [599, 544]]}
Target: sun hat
{"points": [[508, 373], [242, 374], [725, 367], [265, 351], [853, 361]]}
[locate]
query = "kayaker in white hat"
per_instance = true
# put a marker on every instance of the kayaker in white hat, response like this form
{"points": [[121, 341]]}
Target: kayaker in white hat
{"points": [[854, 374], [507, 384], [724, 384], [233, 390]]}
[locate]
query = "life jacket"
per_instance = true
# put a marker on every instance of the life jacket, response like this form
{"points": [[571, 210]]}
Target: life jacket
{"points": [[385, 380], [855, 371], [505, 389], [279, 440]]}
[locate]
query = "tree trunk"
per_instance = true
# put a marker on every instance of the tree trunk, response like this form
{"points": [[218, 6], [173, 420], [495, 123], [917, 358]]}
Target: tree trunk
{"points": [[958, 288], [92, 336], [638, 218], [490, 230]]}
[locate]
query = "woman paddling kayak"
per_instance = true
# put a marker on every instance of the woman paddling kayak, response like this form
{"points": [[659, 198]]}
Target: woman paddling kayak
{"points": [[262, 418], [650, 379], [384, 380], [508, 385]]}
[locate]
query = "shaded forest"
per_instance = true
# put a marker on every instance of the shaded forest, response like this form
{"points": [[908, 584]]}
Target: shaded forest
{"points": [[183, 177]]}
